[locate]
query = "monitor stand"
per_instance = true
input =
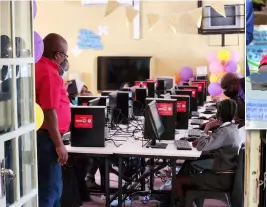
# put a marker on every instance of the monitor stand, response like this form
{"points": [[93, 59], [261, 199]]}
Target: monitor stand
{"points": [[154, 144]]}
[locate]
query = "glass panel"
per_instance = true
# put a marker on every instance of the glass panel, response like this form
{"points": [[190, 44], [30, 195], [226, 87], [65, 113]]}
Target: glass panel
{"points": [[25, 94], [6, 123], [5, 30], [27, 163], [23, 28], [10, 164], [31, 203]]}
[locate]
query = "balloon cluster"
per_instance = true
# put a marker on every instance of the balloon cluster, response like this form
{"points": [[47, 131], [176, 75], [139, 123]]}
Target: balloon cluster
{"points": [[219, 64], [38, 52], [185, 74]]}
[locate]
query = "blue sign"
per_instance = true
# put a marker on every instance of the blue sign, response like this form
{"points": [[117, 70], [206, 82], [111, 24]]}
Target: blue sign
{"points": [[88, 40], [258, 48], [256, 110]]}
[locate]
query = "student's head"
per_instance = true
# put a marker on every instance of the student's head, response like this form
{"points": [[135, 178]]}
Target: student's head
{"points": [[226, 110], [85, 92], [230, 85], [125, 85], [55, 48]]}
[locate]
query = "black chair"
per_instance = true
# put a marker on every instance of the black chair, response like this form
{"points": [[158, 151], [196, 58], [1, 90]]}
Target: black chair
{"points": [[233, 198]]}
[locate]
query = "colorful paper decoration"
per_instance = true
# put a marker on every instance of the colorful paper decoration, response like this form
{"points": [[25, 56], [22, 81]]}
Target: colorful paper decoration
{"points": [[111, 7], [196, 16], [131, 13], [152, 19]]}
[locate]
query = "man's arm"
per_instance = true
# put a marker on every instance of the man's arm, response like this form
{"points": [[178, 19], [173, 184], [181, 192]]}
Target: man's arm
{"points": [[212, 142], [249, 21]]}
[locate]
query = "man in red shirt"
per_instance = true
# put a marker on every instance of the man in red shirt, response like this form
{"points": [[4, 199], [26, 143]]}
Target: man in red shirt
{"points": [[51, 95]]}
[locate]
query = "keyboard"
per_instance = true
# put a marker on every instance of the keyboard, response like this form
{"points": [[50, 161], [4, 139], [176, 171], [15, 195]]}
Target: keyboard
{"points": [[197, 121], [195, 113], [211, 108], [194, 133], [182, 145]]}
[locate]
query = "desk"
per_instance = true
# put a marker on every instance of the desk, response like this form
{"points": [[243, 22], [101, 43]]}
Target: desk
{"points": [[134, 148]]}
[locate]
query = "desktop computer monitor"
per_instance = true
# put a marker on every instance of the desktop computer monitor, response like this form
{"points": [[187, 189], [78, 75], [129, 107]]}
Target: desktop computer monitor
{"points": [[202, 77], [157, 126], [140, 101], [106, 93], [167, 112], [83, 100], [88, 127], [183, 111], [122, 108], [170, 81], [193, 100], [201, 91], [205, 86], [161, 87], [150, 89], [194, 90]]}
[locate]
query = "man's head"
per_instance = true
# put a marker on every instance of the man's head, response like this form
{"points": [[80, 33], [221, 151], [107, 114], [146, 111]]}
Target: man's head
{"points": [[230, 84], [55, 48], [226, 110]]}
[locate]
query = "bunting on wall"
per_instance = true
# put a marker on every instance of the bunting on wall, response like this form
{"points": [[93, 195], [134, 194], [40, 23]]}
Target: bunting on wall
{"points": [[172, 19]]}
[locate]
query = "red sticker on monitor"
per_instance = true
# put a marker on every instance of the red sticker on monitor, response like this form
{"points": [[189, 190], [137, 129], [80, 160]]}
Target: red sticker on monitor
{"points": [[204, 83], [144, 84], [181, 106], [83, 121], [199, 86], [137, 83], [193, 91], [165, 109], [84, 104]]}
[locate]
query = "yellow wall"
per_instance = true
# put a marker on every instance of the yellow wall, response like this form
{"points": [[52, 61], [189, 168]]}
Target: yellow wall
{"points": [[170, 51]]}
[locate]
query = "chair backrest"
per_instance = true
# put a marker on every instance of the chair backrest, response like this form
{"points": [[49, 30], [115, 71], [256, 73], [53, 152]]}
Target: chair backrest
{"points": [[237, 193]]}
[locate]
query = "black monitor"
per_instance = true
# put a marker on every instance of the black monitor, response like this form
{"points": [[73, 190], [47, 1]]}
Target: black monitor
{"points": [[94, 102], [201, 91], [121, 114], [130, 92], [193, 99], [140, 101], [106, 93], [157, 126], [150, 89], [161, 87], [84, 100]]}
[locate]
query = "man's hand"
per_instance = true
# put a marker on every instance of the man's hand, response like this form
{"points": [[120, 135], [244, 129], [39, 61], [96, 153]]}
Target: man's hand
{"points": [[194, 144], [212, 124], [62, 154]]}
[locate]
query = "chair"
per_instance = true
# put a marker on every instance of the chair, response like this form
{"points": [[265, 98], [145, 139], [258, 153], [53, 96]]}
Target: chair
{"points": [[232, 198]]}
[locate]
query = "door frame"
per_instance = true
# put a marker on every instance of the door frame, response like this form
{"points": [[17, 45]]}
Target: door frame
{"points": [[18, 131]]}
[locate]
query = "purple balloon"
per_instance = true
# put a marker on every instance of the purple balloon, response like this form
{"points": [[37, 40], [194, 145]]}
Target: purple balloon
{"points": [[231, 67], [215, 89], [34, 8], [186, 73], [38, 47]]}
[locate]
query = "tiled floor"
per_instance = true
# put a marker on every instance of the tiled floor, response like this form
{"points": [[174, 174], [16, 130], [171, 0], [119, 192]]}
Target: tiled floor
{"points": [[97, 202]]}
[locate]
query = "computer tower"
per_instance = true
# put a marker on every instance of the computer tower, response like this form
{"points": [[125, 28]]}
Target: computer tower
{"points": [[161, 87], [183, 111], [87, 127], [167, 112], [201, 91], [194, 90], [151, 89], [139, 102]]}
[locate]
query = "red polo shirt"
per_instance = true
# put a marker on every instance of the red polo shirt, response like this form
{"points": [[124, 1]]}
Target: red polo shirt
{"points": [[51, 92]]}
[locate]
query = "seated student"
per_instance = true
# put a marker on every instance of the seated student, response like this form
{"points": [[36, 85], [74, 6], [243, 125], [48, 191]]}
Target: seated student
{"points": [[225, 142], [85, 91]]}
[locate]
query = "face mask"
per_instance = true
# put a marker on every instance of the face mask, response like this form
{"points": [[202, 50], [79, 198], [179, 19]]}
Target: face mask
{"points": [[230, 94], [64, 74]]}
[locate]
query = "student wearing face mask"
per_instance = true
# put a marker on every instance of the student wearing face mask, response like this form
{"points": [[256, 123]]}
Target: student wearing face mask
{"points": [[234, 88]]}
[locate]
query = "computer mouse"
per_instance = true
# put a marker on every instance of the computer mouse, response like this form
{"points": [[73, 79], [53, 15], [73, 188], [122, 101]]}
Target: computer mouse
{"points": [[203, 118], [208, 112]]}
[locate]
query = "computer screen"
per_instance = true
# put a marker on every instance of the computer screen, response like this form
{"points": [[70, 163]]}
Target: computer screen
{"points": [[170, 81], [159, 128]]}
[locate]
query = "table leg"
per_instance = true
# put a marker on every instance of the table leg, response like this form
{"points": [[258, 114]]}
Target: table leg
{"points": [[120, 183], [107, 182], [143, 181], [173, 164], [151, 175]]}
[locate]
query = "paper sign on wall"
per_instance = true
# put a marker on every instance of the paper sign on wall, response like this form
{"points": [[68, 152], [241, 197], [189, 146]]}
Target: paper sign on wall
{"points": [[165, 109], [83, 121], [202, 70], [89, 40], [181, 106], [256, 110]]}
